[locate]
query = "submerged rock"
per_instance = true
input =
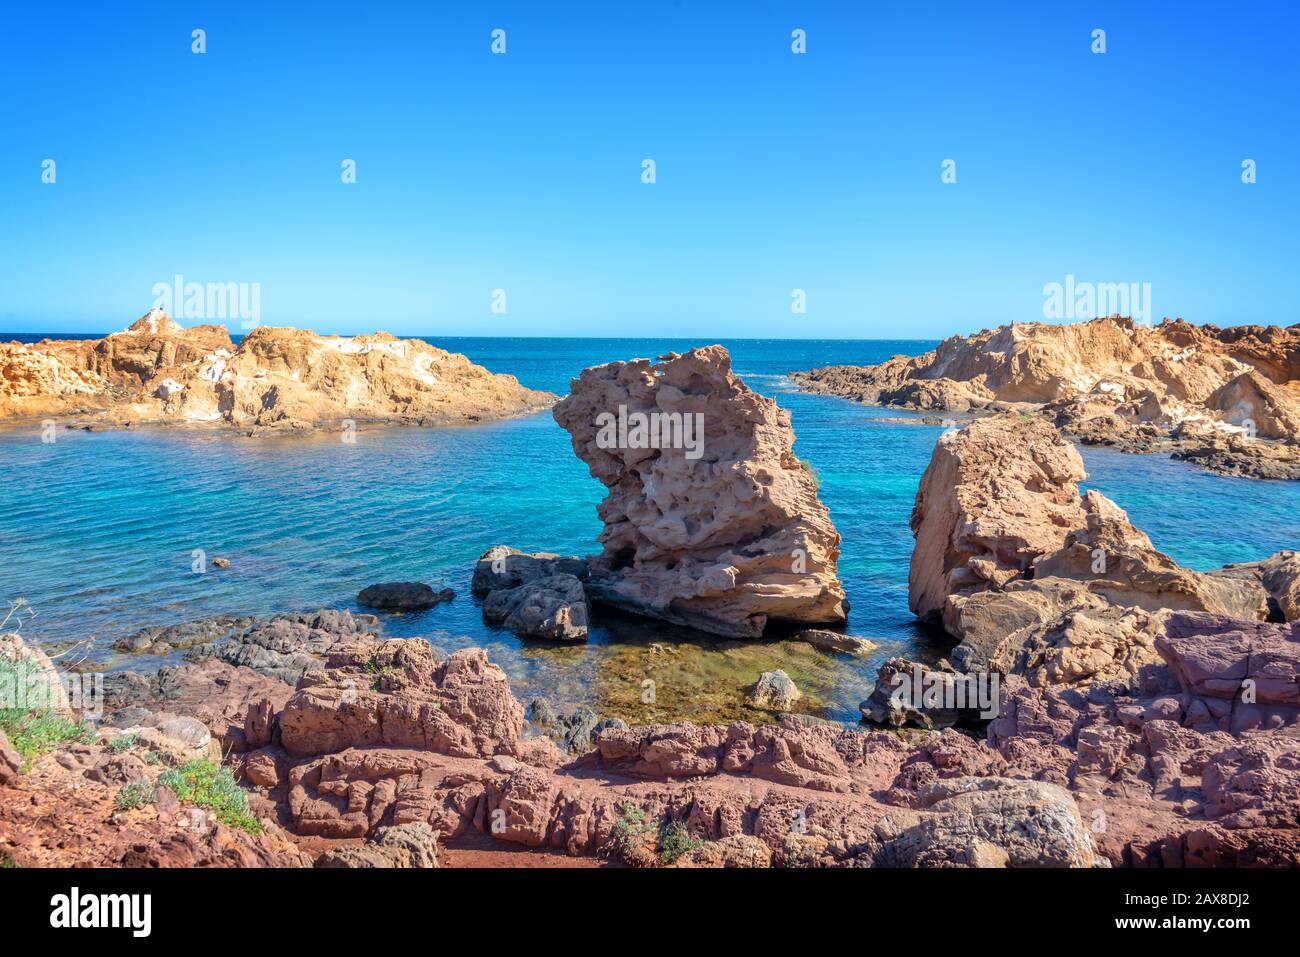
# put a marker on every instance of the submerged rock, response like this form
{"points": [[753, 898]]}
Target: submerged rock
{"points": [[165, 640], [711, 521], [402, 596], [834, 641]]}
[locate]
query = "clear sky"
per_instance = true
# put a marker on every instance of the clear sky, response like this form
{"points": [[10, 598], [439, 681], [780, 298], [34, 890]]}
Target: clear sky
{"points": [[523, 171]]}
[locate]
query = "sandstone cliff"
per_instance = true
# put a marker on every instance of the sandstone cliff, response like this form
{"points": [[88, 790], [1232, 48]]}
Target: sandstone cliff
{"points": [[156, 372], [710, 520], [1228, 399]]}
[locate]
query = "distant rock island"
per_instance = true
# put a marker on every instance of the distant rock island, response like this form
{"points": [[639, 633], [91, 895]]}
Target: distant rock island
{"points": [[158, 372], [1226, 399]]}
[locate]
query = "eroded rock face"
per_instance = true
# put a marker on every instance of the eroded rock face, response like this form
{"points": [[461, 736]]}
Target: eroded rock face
{"points": [[1223, 398], [715, 525], [1033, 578], [553, 607], [996, 496], [275, 379], [395, 693]]}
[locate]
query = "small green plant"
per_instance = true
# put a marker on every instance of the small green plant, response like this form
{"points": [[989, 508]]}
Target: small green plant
{"points": [[375, 668], [33, 731], [7, 862], [675, 841], [633, 838], [203, 782], [151, 757], [812, 474], [123, 742], [134, 795]]}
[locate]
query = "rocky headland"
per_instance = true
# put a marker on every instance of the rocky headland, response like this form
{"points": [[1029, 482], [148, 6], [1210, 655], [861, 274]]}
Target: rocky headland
{"points": [[1225, 399], [157, 372]]}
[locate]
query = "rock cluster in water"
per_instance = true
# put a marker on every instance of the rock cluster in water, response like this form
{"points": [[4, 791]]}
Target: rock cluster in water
{"points": [[1227, 399], [158, 372], [1031, 577], [710, 520]]}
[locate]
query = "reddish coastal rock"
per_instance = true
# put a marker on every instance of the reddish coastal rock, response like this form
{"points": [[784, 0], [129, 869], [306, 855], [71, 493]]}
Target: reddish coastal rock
{"points": [[717, 525]]}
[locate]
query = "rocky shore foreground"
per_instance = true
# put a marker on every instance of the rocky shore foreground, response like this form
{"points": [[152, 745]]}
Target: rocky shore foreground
{"points": [[382, 754], [1225, 399], [157, 372]]}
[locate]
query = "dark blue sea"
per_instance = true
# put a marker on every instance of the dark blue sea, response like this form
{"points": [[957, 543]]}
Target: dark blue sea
{"points": [[97, 530]]}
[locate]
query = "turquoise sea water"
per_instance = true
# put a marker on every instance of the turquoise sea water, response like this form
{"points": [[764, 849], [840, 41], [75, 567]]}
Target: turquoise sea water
{"points": [[97, 529]]}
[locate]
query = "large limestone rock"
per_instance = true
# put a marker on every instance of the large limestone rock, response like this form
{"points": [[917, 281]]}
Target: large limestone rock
{"points": [[995, 497], [1228, 399], [156, 371], [717, 525], [1033, 578]]}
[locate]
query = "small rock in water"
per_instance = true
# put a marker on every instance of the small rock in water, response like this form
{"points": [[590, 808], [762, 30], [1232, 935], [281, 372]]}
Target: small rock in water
{"points": [[835, 641], [402, 596], [221, 563], [774, 691], [504, 567]]}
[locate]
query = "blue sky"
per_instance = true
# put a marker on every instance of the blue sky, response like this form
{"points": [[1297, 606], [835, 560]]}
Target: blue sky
{"points": [[522, 172]]}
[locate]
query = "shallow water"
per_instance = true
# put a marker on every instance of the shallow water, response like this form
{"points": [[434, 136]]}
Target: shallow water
{"points": [[97, 530]]}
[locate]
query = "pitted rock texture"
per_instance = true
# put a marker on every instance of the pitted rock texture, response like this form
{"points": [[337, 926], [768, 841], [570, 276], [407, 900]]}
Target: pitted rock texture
{"points": [[723, 534], [395, 693], [1227, 399], [158, 372], [1032, 577], [402, 596], [1185, 770]]}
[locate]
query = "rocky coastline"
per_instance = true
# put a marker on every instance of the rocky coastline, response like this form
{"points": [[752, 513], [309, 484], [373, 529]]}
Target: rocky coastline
{"points": [[1227, 400], [158, 373], [1142, 714]]}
